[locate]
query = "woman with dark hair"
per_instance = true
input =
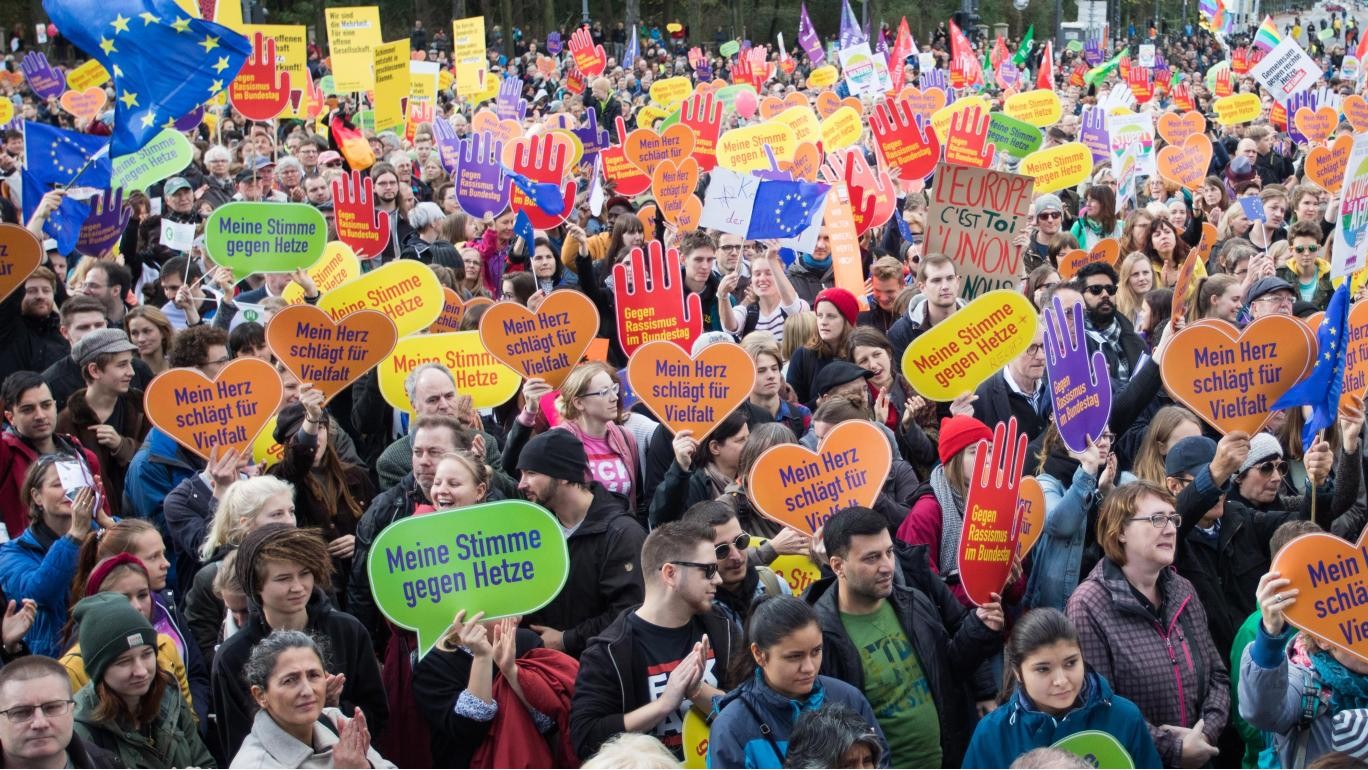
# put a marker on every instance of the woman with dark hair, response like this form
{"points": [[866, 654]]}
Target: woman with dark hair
{"points": [[1048, 694], [895, 403], [834, 736], [546, 269], [627, 233], [836, 311], [1043, 277], [778, 672], [700, 471], [1154, 315], [1167, 251], [517, 287], [1098, 218]]}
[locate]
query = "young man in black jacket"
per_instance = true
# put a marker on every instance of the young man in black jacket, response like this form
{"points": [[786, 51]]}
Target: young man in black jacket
{"points": [[657, 660]]}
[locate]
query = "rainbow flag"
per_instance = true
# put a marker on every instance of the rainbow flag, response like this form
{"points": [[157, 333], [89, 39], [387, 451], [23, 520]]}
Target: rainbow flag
{"points": [[1267, 37], [1209, 10]]}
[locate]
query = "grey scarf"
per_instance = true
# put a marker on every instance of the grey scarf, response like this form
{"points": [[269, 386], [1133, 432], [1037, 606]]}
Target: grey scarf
{"points": [[952, 519]]}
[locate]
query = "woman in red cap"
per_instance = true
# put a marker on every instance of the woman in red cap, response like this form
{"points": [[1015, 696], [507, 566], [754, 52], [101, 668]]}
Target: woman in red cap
{"points": [[836, 311]]}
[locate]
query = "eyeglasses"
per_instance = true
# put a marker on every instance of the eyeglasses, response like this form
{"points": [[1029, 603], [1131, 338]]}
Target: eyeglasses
{"points": [[1035, 349], [609, 392], [1050, 215], [730, 247], [1278, 298], [709, 570], [52, 709], [741, 542], [1158, 520], [1098, 289], [1306, 249], [1268, 466]]}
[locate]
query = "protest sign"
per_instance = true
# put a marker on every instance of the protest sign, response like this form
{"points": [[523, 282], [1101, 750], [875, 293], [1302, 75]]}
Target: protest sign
{"points": [[904, 140], [20, 254], [1355, 108], [353, 33], [106, 224], [468, 56], [502, 558], [337, 266], [1175, 127], [1285, 71], [743, 149], [225, 413], [673, 185], [1355, 383], [923, 102], [1100, 750], [822, 77], [477, 373], [1104, 251], [1134, 131], [547, 343], [1030, 515], [545, 159], [645, 148], [1040, 108], [406, 290], [627, 178], [1237, 108], [799, 488], [177, 236], [1347, 255], [1080, 385], [861, 74], [967, 143], [1325, 166], [649, 295], [487, 121], [1186, 164], [424, 79], [482, 188], [292, 56], [165, 155], [85, 104], [92, 73], [1012, 136], [841, 129], [330, 354], [1229, 378], [798, 570], [773, 106], [359, 225], [960, 353], [264, 447], [940, 119], [263, 89], [669, 92], [697, 732], [1332, 605], [260, 237], [843, 241], [453, 310], [691, 392], [973, 216], [392, 85], [988, 537], [1316, 125], [1058, 167]]}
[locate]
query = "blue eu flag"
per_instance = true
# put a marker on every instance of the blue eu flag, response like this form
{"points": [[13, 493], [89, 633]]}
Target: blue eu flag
{"points": [[52, 157], [164, 62], [785, 209], [1321, 390]]}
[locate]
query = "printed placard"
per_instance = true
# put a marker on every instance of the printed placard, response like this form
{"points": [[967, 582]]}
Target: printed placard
{"points": [[1080, 385], [84, 104], [262, 237], [1133, 132], [1286, 70], [547, 343], [502, 558], [960, 353], [743, 149], [1355, 356], [973, 217], [1175, 127], [166, 155], [1347, 255], [20, 254], [1332, 605], [841, 128], [988, 538], [844, 241], [669, 92], [1014, 137], [264, 448], [799, 488], [1237, 108], [1056, 168], [477, 373], [691, 393], [353, 33], [92, 73], [225, 413], [1186, 164], [453, 310], [649, 297], [406, 290], [392, 85], [1099, 749], [329, 354], [1040, 107], [338, 265], [1030, 515], [1325, 166]]}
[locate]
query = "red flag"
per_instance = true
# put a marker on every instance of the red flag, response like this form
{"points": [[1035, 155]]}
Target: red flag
{"points": [[1362, 50], [1045, 76], [1000, 53], [897, 59], [962, 58]]}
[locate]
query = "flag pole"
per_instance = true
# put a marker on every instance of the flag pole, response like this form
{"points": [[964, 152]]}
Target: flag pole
{"points": [[94, 157]]}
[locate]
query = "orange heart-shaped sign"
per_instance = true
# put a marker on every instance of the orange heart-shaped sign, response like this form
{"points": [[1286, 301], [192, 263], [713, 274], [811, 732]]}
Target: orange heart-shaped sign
{"points": [[673, 185], [1316, 125], [1176, 127], [922, 102], [1231, 380], [689, 393], [1355, 108], [800, 488], [1030, 514], [20, 254], [225, 413], [828, 102], [1356, 359], [1325, 166], [645, 148], [1071, 262], [330, 354], [1186, 164], [453, 308], [686, 219], [773, 105], [85, 104], [503, 130], [1104, 251], [807, 161], [545, 344], [1327, 572]]}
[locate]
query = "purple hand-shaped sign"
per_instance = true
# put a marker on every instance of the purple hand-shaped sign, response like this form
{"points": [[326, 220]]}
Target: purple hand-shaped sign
{"points": [[1298, 100], [105, 225], [593, 138], [935, 78], [553, 44], [1080, 386], [703, 72], [448, 144], [1093, 133], [481, 187], [42, 77], [1092, 51], [191, 119], [510, 104]]}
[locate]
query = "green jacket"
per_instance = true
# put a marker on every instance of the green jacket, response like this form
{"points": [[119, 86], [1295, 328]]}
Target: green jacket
{"points": [[174, 739]]}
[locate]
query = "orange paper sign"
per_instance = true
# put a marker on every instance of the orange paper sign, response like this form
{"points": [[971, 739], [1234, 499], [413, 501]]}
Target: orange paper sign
{"points": [[1186, 164], [20, 253], [225, 413], [1316, 125], [1175, 127], [645, 149], [1356, 110], [545, 344], [691, 393], [1332, 603], [1326, 165], [1030, 515], [330, 354], [800, 488]]}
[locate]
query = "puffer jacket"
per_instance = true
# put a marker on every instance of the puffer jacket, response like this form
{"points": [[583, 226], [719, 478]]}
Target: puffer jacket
{"points": [[173, 740], [40, 567]]}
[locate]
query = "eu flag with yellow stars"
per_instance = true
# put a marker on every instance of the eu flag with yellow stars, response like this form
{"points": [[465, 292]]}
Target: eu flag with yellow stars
{"points": [[52, 159], [1322, 388], [164, 62]]}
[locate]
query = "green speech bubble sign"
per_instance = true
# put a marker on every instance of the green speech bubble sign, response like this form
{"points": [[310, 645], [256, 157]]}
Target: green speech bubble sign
{"points": [[1098, 749], [1013, 136], [503, 558], [730, 48], [255, 237], [727, 96], [165, 155]]}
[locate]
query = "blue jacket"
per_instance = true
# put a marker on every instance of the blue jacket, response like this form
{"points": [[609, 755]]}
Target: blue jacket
{"points": [[1016, 727], [29, 572], [736, 740], [1059, 554], [155, 470]]}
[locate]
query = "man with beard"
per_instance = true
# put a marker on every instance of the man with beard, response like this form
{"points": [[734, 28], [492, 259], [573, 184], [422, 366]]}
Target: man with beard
{"points": [[742, 581], [605, 544], [1112, 331], [110, 282], [385, 188], [657, 661], [30, 329]]}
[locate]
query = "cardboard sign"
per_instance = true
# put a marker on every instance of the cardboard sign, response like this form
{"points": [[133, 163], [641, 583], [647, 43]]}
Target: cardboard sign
{"points": [[743, 149], [1231, 380], [1080, 385], [691, 393], [988, 537], [545, 344], [167, 154], [960, 353], [1014, 137], [406, 290], [477, 373], [1056, 168], [330, 354], [1030, 515], [20, 254], [1350, 235], [1237, 108], [1040, 108], [649, 296], [1186, 164], [1286, 70], [265, 237], [1098, 749], [225, 413], [1333, 603], [503, 558], [973, 216], [1316, 124], [1175, 127], [337, 266], [1325, 166], [799, 488]]}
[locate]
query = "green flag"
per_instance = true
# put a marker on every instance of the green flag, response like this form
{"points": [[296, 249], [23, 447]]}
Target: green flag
{"points": [[1019, 58], [1096, 74]]}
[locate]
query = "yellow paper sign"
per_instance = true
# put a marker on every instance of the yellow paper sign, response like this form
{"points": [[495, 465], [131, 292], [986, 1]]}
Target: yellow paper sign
{"points": [[477, 374], [743, 149], [841, 129], [292, 56], [445, 80], [264, 446], [353, 34], [1057, 167], [650, 114], [1237, 108], [1040, 107], [338, 265], [822, 77], [92, 73], [468, 56], [671, 91], [391, 85], [940, 119], [803, 122], [963, 351], [406, 290]]}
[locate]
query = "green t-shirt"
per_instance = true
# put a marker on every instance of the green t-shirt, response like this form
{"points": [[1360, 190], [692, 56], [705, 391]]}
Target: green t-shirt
{"points": [[896, 688]]}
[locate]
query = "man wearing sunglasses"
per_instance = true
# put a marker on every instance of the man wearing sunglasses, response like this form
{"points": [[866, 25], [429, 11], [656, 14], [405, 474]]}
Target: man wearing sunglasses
{"points": [[1113, 332], [1047, 218], [655, 662], [36, 718], [742, 581], [1306, 271]]}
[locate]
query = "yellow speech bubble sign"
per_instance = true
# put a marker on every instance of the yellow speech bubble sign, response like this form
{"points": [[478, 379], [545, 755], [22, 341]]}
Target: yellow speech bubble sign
{"points": [[1057, 167], [264, 446], [7, 110], [803, 122], [822, 77], [338, 265], [940, 119], [1237, 108], [92, 73], [841, 129], [1040, 107], [477, 373], [671, 91], [406, 290], [963, 351], [743, 149], [650, 114]]}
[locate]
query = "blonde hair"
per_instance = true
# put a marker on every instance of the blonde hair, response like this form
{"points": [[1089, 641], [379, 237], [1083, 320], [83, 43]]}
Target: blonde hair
{"points": [[1149, 464], [243, 500], [799, 330], [1127, 300], [758, 344], [628, 750], [473, 465], [576, 385]]}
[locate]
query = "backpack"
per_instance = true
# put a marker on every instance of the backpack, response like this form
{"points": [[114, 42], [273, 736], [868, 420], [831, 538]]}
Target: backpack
{"points": [[753, 318]]}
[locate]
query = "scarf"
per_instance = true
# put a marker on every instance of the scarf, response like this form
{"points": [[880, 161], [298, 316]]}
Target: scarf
{"points": [[1347, 689], [952, 519], [717, 479], [812, 263]]}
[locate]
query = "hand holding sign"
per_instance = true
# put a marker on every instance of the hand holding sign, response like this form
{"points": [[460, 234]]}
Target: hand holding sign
{"points": [[798, 488], [261, 91], [1080, 386], [589, 58], [650, 300], [1316, 583], [988, 540], [691, 393], [546, 344], [359, 224], [329, 354], [105, 225], [226, 412]]}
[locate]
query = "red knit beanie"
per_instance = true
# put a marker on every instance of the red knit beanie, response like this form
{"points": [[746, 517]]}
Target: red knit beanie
{"points": [[845, 302], [959, 432]]}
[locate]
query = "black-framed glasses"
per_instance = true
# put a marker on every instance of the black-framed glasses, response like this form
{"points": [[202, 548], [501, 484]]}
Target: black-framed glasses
{"points": [[730, 247], [1268, 466], [709, 570], [52, 709], [741, 542], [1035, 349], [1158, 520], [1098, 289]]}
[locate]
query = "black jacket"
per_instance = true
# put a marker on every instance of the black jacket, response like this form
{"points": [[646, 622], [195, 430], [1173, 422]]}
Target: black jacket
{"points": [[64, 378], [189, 512], [83, 754], [601, 701], [349, 652], [389, 506], [948, 638], [1132, 347], [605, 573], [997, 402], [27, 343]]}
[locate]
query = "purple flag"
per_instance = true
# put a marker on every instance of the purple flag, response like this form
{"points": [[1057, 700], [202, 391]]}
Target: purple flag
{"points": [[105, 225], [883, 43], [553, 44], [1079, 384], [808, 38], [851, 34]]}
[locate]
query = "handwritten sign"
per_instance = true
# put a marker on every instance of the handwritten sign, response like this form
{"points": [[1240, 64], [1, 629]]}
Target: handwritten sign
{"points": [[691, 393], [973, 217], [960, 353], [1056, 168], [20, 254], [800, 488], [330, 354], [477, 373], [649, 296], [406, 290], [1332, 605], [257, 237], [225, 413], [988, 539], [545, 344]]}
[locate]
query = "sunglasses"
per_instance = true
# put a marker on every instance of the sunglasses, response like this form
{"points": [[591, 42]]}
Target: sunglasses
{"points": [[1098, 289], [1049, 215], [741, 542], [1306, 249], [709, 570], [1268, 466]]}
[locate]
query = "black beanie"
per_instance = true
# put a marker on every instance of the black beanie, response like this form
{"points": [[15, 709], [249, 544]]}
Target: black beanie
{"points": [[557, 453]]}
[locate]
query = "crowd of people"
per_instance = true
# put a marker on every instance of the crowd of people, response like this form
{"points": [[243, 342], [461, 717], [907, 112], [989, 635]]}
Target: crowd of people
{"points": [[167, 610]]}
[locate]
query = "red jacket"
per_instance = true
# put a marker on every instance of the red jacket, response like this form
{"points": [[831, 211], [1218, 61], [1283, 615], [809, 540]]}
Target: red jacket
{"points": [[547, 678], [15, 458]]}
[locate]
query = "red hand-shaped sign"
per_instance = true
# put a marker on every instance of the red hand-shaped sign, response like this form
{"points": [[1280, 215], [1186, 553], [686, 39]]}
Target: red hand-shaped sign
{"points": [[261, 90], [589, 58], [542, 158], [966, 143], [359, 225], [904, 142], [650, 301], [702, 112], [988, 535]]}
